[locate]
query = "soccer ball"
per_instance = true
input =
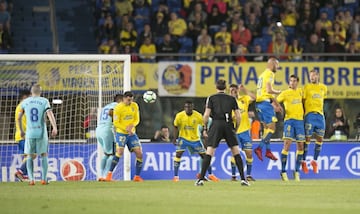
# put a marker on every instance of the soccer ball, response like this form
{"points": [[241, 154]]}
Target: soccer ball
{"points": [[149, 97]]}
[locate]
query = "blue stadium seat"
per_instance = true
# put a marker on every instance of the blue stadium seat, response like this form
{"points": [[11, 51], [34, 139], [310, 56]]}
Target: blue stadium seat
{"points": [[185, 42], [262, 42], [330, 12]]}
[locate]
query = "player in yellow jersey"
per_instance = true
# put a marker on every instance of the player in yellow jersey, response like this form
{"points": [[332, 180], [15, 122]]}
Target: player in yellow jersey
{"points": [[243, 132], [313, 100], [187, 136], [21, 173], [293, 125], [266, 106], [126, 117]]}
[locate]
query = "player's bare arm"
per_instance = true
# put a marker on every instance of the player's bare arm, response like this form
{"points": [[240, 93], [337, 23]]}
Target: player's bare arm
{"points": [[271, 90], [19, 122], [206, 120], [51, 117]]}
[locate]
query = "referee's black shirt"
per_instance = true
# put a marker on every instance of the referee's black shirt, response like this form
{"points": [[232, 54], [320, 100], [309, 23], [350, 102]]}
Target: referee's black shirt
{"points": [[221, 106]]}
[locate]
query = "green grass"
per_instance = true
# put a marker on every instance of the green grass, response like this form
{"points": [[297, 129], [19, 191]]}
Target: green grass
{"points": [[263, 196]]}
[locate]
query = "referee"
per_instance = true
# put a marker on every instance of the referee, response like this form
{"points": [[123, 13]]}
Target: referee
{"points": [[220, 107]]}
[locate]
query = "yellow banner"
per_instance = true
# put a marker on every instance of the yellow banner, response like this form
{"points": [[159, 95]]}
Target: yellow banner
{"points": [[342, 79], [79, 76]]}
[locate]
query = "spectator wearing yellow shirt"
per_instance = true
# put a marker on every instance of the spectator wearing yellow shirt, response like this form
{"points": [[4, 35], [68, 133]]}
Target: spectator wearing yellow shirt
{"points": [[224, 34], [295, 51], [338, 32], [205, 50], [147, 51], [289, 17], [222, 49], [123, 7], [128, 36], [325, 22], [177, 26]]}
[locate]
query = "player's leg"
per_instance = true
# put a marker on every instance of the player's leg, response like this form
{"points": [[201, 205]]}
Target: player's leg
{"points": [[269, 119], [284, 157], [103, 159], [134, 145], [300, 138], [106, 140], [246, 145], [319, 130], [30, 151], [309, 129], [299, 158], [44, 168], [232, 143], [233, 169], [21, 173], [120, 140], [199, 148], [42, 146], [210, 151], [30, 168], [177, 159], [109, 160], [260, 111], [214, 137]]}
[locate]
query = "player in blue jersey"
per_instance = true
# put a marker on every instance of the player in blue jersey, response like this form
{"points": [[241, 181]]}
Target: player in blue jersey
{"points": [[36, 138], [21, 173], [105, 135]]}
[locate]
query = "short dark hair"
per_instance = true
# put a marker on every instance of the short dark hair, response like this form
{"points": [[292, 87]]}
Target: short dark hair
{"points": [[128, 94], [294, 76], [24, 93], [189, 102], [234, 85], [164, 127], [118, 97], [221, 84]]}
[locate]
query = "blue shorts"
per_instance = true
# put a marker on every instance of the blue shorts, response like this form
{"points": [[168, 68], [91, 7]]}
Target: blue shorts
{"points": [[36, 146], [105, 137], [314, 123], [21, 145], [266, 112], [245, 140], [194, 147], [294, 130], [131, 141]]}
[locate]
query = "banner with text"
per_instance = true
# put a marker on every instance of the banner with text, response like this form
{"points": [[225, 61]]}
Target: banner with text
{"points": [[337, 161], [174, 78]]}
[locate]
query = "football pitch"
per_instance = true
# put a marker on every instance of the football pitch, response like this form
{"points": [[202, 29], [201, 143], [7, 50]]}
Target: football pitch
{"points": [[263, 196]]}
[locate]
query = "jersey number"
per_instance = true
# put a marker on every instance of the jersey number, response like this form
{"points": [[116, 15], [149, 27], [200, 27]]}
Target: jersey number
{"points": [[34, 112], [259, 86], [105, 114]]}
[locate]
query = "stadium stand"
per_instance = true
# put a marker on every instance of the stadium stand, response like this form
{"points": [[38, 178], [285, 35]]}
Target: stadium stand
{"points": [[31, 27]]}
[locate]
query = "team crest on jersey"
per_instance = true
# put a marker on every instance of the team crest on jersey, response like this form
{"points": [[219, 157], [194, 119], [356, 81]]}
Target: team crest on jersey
{"points": [[73, 170]]}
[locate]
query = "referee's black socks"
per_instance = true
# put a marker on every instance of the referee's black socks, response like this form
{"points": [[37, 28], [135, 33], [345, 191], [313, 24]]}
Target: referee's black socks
{"points": [[240, 165], [205, 165]]}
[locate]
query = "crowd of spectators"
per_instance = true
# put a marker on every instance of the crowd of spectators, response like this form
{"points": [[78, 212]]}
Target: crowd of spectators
{"points": [[5, 26], [228, 30]]}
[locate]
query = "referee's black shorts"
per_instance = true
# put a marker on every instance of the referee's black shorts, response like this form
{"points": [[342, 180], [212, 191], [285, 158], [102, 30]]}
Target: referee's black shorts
{"points": [[220, 129]]}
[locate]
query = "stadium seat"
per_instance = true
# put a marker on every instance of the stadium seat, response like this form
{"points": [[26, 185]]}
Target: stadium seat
{"points": [[185, 42]]}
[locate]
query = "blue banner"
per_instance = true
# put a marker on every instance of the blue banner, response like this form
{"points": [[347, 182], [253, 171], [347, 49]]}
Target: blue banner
{"points": [[336, 161], [67, 162], [71, 162]]}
